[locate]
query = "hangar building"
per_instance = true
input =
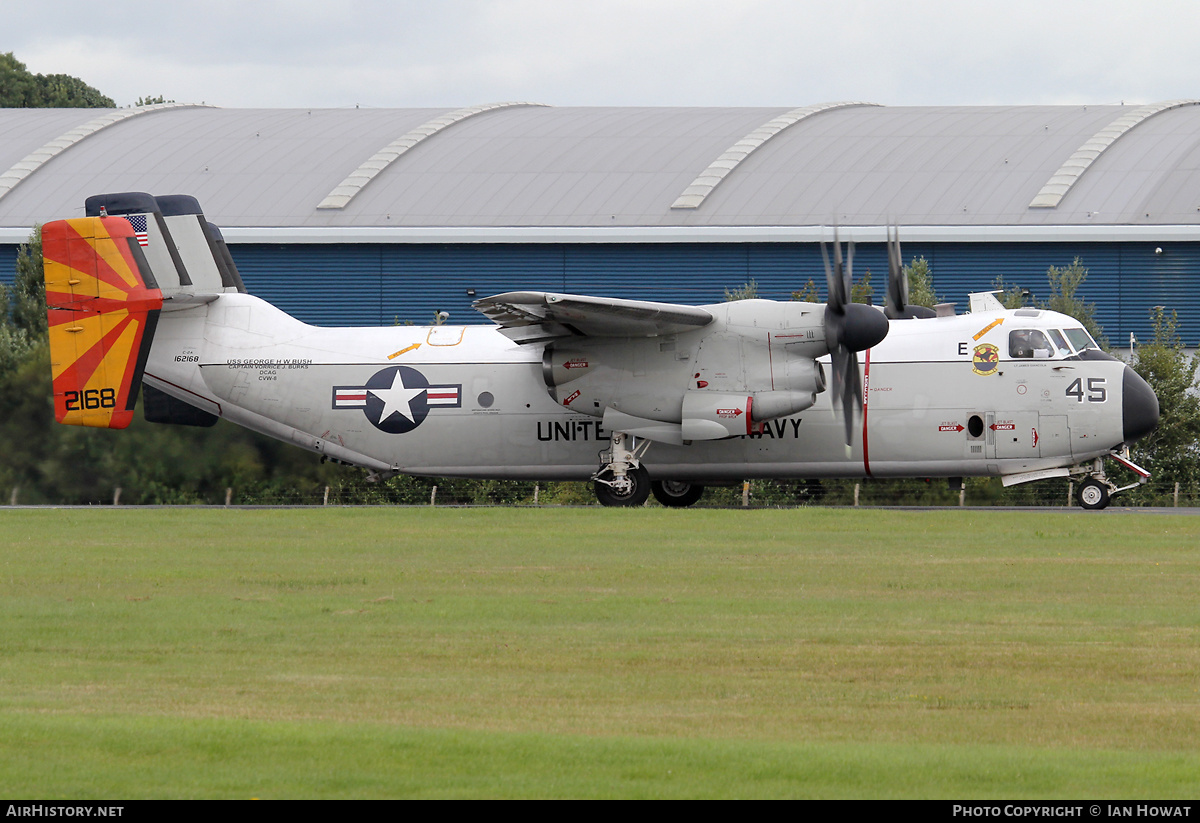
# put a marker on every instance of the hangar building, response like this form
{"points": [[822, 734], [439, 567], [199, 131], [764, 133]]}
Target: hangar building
{"points": [[374, 216]]}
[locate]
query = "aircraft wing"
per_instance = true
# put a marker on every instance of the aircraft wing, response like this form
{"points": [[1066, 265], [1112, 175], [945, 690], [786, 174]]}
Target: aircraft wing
{"points": [[530, 317]]}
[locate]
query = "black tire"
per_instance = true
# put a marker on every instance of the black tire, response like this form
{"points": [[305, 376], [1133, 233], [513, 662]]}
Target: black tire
{"points": [[639, 490], [1093, 495], [676, 494]]}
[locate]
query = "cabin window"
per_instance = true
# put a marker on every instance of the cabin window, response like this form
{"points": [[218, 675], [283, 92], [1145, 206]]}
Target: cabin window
{"points": [[1029, 343]]}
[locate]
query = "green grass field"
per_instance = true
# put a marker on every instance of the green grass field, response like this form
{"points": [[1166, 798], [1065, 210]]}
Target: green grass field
{"points": [[419, 652]]}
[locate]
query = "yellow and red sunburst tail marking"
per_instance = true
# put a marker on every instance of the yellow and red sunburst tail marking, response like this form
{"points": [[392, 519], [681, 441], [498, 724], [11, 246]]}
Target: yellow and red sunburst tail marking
{"points": [[102, 318]]}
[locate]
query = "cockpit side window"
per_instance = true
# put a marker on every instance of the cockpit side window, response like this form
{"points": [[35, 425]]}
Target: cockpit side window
{"points": [[1029, 343]]}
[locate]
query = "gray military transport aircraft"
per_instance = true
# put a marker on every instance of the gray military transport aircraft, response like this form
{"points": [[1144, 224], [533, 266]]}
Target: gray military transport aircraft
{"points": [[637, 396]]}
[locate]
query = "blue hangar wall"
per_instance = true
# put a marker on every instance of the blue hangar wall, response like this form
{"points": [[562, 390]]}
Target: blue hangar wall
{"points": [[395, 283], [381, 284]]}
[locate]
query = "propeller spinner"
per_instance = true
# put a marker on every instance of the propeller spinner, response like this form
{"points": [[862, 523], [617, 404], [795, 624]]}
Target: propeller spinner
{"points": [[849, 329]]}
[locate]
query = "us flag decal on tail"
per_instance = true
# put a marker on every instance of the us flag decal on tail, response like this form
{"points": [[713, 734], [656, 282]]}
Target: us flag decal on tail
{"points": [[102, 307], [138, 222]]}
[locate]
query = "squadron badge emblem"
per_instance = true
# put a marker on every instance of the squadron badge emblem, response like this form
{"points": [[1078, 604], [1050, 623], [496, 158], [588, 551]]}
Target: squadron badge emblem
{"points": [[986, 359]]}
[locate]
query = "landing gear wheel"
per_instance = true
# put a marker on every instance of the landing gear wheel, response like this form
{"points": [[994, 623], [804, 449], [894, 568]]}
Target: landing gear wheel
{"points": [[634, 495], [675, 493], [1093, 495]]}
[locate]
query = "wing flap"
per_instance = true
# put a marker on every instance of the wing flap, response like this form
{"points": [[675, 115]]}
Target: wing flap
{"points": [[532, 316]]}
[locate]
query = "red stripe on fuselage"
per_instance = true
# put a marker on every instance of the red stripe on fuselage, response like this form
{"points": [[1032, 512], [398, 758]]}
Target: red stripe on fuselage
{"points": [[866, 400]]}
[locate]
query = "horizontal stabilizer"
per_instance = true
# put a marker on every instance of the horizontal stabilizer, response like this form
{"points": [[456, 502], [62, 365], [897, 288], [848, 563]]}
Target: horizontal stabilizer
{"points": [[102, 306]]}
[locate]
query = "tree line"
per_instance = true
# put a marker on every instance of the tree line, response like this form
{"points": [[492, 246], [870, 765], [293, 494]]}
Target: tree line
{"points": [[21, 89]]}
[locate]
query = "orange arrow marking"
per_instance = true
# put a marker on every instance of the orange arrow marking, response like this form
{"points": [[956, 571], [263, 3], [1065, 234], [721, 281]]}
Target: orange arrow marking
{"points": [[988, 328], [404, 351]]}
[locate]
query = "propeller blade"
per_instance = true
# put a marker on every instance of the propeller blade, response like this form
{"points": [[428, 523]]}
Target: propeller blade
{"points": [[846, 389], [831, 286], [897, 291], [898, 297], [837, 290], [836, 276], [847, 274], [852, 403]]}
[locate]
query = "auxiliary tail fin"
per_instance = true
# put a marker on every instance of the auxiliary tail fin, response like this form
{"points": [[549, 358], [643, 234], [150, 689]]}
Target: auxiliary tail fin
{"points": [[186, 253], [103, 303]]}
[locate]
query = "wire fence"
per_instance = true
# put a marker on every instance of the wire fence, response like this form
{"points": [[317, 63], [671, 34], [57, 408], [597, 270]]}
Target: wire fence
{"points": [[753, 494]]}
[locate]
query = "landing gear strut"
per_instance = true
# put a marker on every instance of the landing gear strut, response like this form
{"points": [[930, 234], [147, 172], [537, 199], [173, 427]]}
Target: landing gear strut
{"points": [[622, 480], [1096, 491]]}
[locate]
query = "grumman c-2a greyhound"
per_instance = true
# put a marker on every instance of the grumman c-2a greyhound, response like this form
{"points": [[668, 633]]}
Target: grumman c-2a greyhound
{"points": [[636, 396]]}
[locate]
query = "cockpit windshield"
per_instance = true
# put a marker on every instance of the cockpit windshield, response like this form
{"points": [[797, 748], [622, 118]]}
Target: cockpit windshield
{"points": [[1080, 339], [1064, 348]]}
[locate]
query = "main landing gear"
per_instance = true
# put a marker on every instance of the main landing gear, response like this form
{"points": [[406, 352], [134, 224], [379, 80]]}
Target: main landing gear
{"points": [[1097, 490], [676, 493], [622, 480]]}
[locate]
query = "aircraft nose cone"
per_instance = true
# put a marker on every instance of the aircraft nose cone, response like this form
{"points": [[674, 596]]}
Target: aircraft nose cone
{"points": [[1139, 406], [863, 327]]}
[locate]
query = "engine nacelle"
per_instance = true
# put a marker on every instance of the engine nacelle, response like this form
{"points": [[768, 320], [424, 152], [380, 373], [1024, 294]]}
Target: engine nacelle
{"points": [[561, 364], [771, 404], [709, 415], [756, 365]]}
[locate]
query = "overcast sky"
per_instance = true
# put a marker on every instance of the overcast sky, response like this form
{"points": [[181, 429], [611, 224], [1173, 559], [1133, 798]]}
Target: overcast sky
{"points": [[451, 53]]}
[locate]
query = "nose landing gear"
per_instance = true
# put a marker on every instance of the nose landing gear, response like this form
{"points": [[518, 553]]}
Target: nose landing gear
{"points": [[1097, 490]]}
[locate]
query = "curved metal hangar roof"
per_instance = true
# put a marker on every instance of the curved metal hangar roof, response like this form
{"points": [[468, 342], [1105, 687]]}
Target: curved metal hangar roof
{"points": [[267, 174]]}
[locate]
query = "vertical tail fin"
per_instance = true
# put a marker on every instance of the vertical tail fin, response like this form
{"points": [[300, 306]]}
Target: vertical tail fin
{"points": [[103, 304]]}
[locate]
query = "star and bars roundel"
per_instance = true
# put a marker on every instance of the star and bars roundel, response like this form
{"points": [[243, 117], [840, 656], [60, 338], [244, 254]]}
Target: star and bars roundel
{"points": [[397, 399]]}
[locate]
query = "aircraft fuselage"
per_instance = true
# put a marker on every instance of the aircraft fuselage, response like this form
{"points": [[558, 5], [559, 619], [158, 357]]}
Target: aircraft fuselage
{"points": [[943, 397]]}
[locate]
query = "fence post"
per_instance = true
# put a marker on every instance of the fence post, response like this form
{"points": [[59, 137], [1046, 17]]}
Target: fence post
{"points": [[228, 494], [535, 493], [13, 500], [1176, 494], [857, 486], [117, 496], [1070, 492], [745, 494], [325, 500], [962, 495], [433, 496]]}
